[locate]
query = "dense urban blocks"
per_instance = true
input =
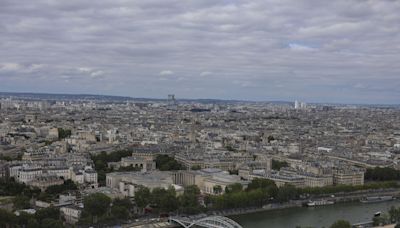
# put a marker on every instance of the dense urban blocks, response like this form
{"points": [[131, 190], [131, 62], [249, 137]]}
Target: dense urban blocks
{"points": [[107, 162]]}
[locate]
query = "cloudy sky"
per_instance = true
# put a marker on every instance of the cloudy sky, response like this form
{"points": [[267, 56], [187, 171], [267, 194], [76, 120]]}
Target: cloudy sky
{"points": [[312, 50]]}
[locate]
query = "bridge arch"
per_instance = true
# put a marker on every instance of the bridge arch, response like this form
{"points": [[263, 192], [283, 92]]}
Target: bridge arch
{"points": [[208, 222]]}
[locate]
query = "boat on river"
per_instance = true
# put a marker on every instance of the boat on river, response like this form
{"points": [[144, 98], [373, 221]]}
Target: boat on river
{"points": [[319, 203], [375, 199]]}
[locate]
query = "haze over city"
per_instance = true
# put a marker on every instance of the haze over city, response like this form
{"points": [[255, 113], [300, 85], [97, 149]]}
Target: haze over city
{"points": [[315, 51]]}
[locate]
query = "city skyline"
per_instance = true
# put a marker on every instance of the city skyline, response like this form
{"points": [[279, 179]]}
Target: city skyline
{"points": [[336, 52], [67, 96]]}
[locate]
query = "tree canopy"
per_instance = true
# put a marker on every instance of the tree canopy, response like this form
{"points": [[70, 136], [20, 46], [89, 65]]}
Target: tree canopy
{"points": [[63, 133], [341, 224], [96, 204], [46, 217], [382, 174], [100, 162], [12, 188], [58, 189], [167, 163], [277, 165]]}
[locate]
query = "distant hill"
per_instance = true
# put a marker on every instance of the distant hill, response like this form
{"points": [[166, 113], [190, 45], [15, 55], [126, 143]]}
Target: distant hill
{"points": [[55, 97], [112, 98], [51, 96]]}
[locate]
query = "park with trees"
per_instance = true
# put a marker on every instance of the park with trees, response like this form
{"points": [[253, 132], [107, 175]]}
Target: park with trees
{"points": [[101, 160], [43, 218]]}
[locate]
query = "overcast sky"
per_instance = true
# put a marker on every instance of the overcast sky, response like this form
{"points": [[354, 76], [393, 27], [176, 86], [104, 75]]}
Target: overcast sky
{"points": [[315, 51]]}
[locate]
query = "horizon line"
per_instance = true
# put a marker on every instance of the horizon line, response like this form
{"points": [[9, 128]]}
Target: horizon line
{"points": [[194, 99]]}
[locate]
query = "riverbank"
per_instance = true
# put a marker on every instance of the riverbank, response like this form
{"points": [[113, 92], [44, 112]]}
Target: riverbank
{"points": [[324, 216], [338, 198], [341, 200]]}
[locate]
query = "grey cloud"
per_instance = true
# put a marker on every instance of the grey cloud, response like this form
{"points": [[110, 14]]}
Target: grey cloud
{"points": [[205, 73], [263, 49], [166, 72]]}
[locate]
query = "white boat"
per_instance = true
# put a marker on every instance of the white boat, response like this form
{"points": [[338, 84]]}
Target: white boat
{"points": [[320, 203]]}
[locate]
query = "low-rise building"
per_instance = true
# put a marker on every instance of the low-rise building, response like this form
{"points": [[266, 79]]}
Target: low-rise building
{"points": [[280, 178], [142, 163], [348, 177], [207, 179], [71, 213], [128, 182], [44, 181], [27, 174], [4, 169]]}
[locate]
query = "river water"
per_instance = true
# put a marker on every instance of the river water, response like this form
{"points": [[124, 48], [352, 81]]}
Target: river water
{"points": [[322, 216]]}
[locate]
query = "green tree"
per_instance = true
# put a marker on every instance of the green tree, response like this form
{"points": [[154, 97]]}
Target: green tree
{"points": [[233, 172], [43, 196], [167, 163], [238, 199], [169, 202], [125, 202], [382, 174], [287, 192], [270, 138], [142, 197], [257, 183], [11, 188], [196, 167], [341, 224], [68, 185], [188, 201], [96, 204], [377, 221], [32, 223], [100, 161], [160, 199], [217, 189], [21, 202], [277, 165], [119, 212], [7, 219], [63, 133], [23, 218], [156, 196], [257, 197], [237, 187], [394, 214], [49, 212], [192, 190], [51, 223]]}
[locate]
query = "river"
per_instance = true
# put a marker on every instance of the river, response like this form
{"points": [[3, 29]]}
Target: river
{"points": [[322, 216]]}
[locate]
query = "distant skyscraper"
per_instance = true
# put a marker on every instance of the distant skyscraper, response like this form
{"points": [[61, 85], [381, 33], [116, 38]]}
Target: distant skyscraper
{"points": [[296, 105], [300, 105], [171, 99]]}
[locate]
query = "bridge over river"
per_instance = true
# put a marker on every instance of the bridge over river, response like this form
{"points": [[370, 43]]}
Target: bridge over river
{"points": [[207, 222]]}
